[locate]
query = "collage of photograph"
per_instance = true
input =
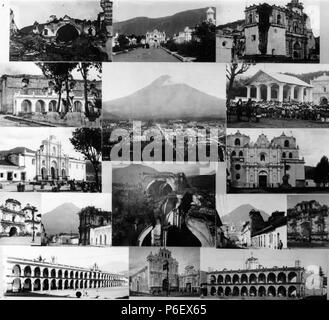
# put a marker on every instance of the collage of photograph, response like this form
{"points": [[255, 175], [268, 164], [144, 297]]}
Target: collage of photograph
{"points": [[126, 175]]}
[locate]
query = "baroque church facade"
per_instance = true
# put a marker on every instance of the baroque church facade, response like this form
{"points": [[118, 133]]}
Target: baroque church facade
{"points": [[275, 30], [48, 163], [16, 220], [264, 163]]}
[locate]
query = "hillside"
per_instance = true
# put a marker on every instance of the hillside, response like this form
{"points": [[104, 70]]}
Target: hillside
{"points": [[170, 24], [131, 174]]}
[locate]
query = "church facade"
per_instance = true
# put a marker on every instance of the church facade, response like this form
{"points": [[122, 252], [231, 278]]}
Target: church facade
{"points": [[275, 30], [48, 163], [264, 163], [155, 38], [158, 276], [19, 220]]}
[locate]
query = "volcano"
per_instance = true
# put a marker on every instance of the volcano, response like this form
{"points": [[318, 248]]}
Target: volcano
{"points": [[165, 99]]}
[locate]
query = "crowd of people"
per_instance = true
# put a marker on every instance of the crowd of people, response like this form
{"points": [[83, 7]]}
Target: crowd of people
{"points": [[256, 110]]}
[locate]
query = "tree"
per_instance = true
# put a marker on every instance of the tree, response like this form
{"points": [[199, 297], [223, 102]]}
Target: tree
{"points": [[88, 142], [205, 33], [60, 74], [84, 69], [321, 172], [232, 70], [123, 41]]}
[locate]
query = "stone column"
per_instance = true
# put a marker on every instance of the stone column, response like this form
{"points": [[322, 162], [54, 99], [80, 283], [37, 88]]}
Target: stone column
{"points": [[269, 87], [292, 91], [301, 94], [248, 91], [281, 85], [258, 95]]}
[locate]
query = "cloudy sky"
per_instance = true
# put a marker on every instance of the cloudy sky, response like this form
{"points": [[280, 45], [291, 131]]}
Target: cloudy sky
{"points": [[114, 259], [33, 199], [32, 69], [184, 256], [229, 11], [273, 202], [122, 79], [27, 12], [294, 199], [313, 143], [283, 68], [188, 169], [54, 200], [212, 259], [125, 9], [32, 137]]}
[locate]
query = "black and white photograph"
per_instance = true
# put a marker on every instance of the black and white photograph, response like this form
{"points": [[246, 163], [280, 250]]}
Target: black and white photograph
{"points": [[75, 219], [164, 31], [277, 161], [20, 219], [65, 273], [277, 95], [65, 30], [165, 205], [165, 272], [264, 274], [308, 221], [50, 94], [50, 160], [251, 222], [269, 31], [164, 113]]}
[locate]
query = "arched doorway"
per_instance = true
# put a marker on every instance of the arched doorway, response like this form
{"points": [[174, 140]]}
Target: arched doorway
{"points": [[261, 291], [220, 291], [13, 232], [282, 292], [262, 179], [63, 174], [53, 170], [77, 106], [26, 106], [16, 285], [16, 271], [165, 285], [40, 106], [52, 106], [244, 291], [228, 291], [27, 286], [297, 51], [43, 173], [292, 291], [37, 285], [67, 33]]}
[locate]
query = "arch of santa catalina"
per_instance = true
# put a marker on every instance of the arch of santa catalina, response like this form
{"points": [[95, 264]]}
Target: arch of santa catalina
{"points": [[268, 86]]}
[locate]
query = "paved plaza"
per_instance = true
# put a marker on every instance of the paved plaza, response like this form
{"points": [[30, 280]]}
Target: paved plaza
{"points": [[145, 55]]}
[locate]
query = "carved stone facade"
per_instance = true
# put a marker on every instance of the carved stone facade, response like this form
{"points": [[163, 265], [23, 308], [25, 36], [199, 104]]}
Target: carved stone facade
{"points": [[264, 163]]}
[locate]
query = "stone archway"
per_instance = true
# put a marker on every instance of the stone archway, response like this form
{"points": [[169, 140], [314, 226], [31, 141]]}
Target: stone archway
{"points": [[67, 33], [40, 106], [26, 106], [13, 232], [262, 179], [77, 106], [52, 106], [44, 173]]}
